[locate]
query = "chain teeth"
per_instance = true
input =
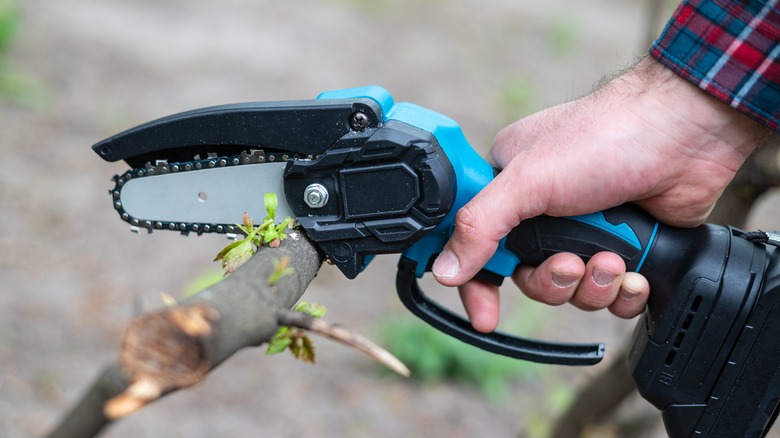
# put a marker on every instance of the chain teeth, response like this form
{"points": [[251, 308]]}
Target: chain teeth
{"points": [[162, 167]]}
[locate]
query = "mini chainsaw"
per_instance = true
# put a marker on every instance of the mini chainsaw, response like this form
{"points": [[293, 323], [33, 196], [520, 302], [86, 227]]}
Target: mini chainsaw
{"points": [[363, 175]]}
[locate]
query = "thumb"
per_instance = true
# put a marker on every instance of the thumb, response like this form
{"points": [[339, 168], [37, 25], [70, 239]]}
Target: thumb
{"points": [[479, 227]]}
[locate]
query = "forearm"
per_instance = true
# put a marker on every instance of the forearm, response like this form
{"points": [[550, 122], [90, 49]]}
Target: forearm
{"points": [[711, 125]]}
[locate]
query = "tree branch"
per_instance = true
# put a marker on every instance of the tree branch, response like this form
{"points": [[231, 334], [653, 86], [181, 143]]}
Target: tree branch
{"points": [[176, 347]]}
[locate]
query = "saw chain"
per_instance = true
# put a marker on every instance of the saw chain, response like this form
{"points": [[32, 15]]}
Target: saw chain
{"points": [[163, 167]]}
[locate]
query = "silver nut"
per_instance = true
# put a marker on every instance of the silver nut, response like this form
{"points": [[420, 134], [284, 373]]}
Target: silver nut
{"points": [[315, 195]]}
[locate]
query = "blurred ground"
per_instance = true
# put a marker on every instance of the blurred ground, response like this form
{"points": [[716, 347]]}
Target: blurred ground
{"points": [[72, 276]]}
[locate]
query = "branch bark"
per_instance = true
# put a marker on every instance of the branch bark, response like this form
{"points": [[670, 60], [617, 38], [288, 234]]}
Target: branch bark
{"points": [[176, 347]]}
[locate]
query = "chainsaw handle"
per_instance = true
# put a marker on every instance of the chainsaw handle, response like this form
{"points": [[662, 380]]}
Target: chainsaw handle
{"points": [[625, 230], [516, 347]]}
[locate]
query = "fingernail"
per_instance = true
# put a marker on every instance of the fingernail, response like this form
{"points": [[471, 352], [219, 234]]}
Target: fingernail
{"points": [[627, 294], [564, 280], [628, 290], [446, 265], [602, 277]]}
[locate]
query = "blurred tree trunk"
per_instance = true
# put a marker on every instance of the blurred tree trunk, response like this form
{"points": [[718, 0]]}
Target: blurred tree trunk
{"points": [[603, 394]]}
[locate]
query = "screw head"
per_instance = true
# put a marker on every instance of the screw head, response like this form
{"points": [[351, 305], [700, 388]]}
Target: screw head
{"points": [[358, 121], [315, 195]]}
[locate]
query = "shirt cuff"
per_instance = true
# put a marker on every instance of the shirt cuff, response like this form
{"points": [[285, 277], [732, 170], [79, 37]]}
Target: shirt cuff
{"points": [[730, 50]]}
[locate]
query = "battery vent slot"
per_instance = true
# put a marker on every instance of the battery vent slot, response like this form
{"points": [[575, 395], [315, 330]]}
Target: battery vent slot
{"points": [[686, 324]]}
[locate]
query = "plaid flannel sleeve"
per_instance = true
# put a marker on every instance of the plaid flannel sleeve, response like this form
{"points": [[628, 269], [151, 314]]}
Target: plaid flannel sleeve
{"points": [[730, 49]]}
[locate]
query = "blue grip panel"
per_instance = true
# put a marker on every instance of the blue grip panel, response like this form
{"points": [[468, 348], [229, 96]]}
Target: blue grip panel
{"points": [[622, 231], [472, 172]]}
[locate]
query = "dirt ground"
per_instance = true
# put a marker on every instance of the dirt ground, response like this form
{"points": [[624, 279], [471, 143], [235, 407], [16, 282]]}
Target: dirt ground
{"points": [[71, 275]]}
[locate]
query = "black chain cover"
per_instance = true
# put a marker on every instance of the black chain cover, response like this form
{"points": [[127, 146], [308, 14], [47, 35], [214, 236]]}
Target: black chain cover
{"points": [[387, 187]]}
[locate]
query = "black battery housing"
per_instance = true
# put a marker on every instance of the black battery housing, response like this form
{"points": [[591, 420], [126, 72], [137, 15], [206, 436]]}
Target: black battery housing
{"points": [[707, 351]]}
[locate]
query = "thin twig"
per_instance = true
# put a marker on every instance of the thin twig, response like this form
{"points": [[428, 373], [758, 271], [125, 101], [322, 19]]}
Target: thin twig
{"points": [[339, 333]]}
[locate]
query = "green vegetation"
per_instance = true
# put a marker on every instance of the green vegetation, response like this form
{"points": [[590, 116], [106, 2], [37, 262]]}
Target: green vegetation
{"points": [[14, 86], [9, 22], [294, 339], [517, 96], [562, 36], [433, 356], [240, 251]]}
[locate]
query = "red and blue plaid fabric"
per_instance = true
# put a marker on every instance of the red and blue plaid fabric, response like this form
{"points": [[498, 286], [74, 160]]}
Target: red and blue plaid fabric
{"points": [[729, 49]]}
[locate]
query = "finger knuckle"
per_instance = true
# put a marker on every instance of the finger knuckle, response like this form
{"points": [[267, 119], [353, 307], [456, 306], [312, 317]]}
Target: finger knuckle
{"points": [[469, 223], [552, 295], [556, 297], [591, 301]]}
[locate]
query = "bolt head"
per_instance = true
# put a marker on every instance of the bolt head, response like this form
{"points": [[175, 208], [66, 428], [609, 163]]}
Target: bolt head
{"points": [[315, 196]]}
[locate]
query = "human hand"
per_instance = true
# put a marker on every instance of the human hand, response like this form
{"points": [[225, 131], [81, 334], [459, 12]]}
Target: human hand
{"points": [[647, 136]]}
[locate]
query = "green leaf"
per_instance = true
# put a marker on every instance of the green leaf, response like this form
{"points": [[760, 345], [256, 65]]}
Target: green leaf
{"points": [[236, 254], [272, 234], [269, 235], [286, 223], [295, 339], [312, 309], [271, 202], [221, 255], [280, 341]]}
